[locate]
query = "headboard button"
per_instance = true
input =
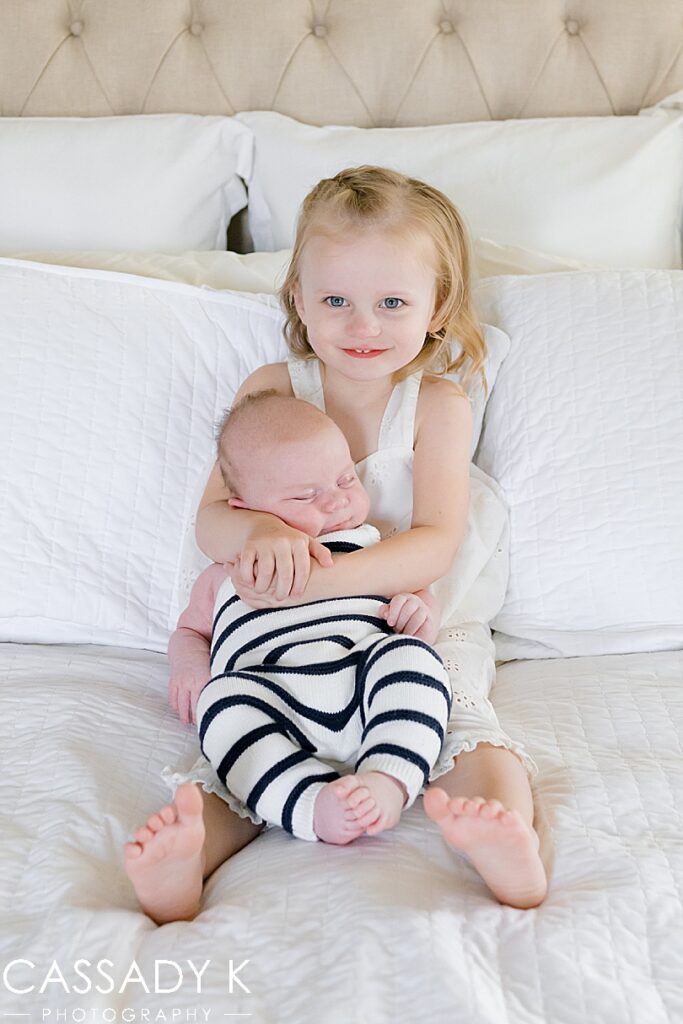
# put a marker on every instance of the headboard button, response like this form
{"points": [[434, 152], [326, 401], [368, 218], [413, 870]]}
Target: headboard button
{"points": [[75, 28], [196, 28], [320, 31], [446, 27], [572, 27]]}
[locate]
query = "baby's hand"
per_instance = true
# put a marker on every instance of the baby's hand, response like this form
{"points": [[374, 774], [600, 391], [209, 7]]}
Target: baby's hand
{"points": [[413, 614], [184, 687], [257, 599], [277, 559]]}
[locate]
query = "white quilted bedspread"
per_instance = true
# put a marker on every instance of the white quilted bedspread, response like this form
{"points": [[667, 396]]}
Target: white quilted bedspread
{"points": [[395, 928]]}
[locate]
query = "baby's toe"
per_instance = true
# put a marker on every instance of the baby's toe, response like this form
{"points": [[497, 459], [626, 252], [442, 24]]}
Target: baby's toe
{"points": [[361, 808], [355, 798]]}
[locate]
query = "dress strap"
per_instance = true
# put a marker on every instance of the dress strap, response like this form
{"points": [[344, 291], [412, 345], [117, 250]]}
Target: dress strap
{"points": [[304, 375], [398, 423], [397, 429]]}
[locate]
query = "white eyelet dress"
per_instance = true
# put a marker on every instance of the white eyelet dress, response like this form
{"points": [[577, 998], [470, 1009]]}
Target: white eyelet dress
{"points": [[472, 592]]}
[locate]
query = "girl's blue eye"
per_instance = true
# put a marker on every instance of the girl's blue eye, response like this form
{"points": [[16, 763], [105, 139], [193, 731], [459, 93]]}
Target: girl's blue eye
{"points": [[336, 301], [392, 303]]}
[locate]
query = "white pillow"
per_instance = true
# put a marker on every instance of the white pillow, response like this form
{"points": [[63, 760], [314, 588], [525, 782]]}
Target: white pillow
{"points": [[260, 272], [584, 433], [264, 272], [109, 395], [602, 190], [492, 259], [168, 182], [110, 392]]}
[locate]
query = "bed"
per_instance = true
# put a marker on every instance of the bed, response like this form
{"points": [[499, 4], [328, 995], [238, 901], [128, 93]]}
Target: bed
{"points": [[126, 330]]}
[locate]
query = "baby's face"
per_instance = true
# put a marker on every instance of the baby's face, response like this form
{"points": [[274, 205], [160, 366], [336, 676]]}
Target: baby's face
{"points": [[311, 485]]}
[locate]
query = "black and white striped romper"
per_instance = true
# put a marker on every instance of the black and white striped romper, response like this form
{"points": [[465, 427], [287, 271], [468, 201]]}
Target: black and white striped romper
{"points": [[293, 688]]}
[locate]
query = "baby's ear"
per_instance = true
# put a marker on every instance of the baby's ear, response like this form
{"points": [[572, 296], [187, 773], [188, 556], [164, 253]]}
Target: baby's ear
{"points": [[237, 503]]}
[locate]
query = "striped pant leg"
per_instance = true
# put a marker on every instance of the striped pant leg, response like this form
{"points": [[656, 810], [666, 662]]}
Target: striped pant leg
{"points": [[405, 701], [259, 753]]}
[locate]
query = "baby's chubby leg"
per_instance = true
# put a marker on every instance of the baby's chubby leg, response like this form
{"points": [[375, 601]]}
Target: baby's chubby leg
{"points": [[484, 807], [180, 846], [355, 804]]}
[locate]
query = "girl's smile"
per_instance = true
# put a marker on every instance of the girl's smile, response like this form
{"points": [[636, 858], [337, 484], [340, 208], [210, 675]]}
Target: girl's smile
{"points": [[368, 300], [364, 353]]}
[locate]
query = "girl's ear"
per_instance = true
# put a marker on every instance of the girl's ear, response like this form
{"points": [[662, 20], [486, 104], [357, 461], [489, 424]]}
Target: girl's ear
{"points": [[299, 302], [237, 503], [436, 323]]}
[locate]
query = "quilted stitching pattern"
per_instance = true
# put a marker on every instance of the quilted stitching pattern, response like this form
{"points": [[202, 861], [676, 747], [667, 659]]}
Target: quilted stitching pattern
{"points": [[110, 391], [584, 433], [85, 731]]}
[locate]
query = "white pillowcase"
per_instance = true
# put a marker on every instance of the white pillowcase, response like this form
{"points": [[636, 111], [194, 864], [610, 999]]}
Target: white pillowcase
{"points": [[109, 395], [259, 272], [602, 190], [584, 433], [264, 272], [166, 182], [110, 392]]}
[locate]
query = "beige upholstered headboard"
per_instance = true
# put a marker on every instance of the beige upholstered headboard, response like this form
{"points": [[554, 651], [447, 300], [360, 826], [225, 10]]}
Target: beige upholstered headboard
{"points": [[363, 62]]}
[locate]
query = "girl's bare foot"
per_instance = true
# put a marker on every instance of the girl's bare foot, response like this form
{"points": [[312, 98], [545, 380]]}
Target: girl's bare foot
{"points": [[164, 863], [353, 804], [503, 849]]}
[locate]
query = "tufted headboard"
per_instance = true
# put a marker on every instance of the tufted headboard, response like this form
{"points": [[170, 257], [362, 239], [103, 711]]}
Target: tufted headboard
{"points": [[363, 62]]}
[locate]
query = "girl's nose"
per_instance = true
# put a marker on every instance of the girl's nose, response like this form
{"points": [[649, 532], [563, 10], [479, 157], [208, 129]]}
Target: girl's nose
{"points": [[364, 325]]}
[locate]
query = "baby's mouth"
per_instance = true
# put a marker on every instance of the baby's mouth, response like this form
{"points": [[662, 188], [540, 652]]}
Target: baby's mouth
{"points": [[344, 524]]}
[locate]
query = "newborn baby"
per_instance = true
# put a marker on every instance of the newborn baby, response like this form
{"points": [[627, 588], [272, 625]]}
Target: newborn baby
{"points": [[325, 718]]}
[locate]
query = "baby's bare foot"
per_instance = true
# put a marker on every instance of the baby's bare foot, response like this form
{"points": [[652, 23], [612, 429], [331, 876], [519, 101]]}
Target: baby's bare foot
{"points": [[343, 809], [503, 849], [389, 796], [165, 861]]}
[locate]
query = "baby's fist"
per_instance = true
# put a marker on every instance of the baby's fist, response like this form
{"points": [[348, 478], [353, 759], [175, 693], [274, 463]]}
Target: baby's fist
{"points": [[414, 615]]}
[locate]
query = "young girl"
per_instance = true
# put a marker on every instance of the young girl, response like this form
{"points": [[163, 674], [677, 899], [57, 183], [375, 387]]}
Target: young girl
{"points": [[377, 289]]}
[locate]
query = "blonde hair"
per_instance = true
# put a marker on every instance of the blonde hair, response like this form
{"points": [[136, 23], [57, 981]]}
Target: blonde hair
{"points": [[376, 197]]}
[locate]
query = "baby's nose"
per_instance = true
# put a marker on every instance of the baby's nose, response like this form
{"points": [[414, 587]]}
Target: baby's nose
{"points": [[334, 500]]}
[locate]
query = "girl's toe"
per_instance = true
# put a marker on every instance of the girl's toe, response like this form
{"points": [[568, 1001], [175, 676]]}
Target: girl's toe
{"points": [[492, 809]]}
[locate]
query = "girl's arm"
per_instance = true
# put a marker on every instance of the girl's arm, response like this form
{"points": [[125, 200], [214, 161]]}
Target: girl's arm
{"points": [[269, 549], [416, 558]]}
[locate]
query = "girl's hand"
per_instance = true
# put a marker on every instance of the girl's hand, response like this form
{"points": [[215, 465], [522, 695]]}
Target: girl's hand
{"points": [[276, 559], [184, 687], [413, 614]]}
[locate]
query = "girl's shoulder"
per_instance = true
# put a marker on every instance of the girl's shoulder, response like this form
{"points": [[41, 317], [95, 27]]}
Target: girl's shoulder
{"points": [[436, 388], [442, 403], [271, 375]]}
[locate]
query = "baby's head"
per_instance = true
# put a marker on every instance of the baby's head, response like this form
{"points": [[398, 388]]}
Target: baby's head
{"points": [[422, 227], [284, 456]]}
